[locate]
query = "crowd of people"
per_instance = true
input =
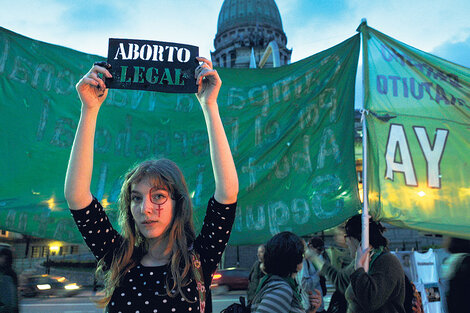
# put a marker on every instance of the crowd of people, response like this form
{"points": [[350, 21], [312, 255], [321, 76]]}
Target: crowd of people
{"points": [[371, 280]]}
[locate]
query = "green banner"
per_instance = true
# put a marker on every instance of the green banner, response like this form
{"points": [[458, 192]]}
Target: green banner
{"points": [[290, 131], [418, 136]]}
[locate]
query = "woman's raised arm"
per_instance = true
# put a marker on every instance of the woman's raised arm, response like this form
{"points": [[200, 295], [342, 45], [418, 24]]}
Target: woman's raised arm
{"points": [[225, 174], [92, 92]]}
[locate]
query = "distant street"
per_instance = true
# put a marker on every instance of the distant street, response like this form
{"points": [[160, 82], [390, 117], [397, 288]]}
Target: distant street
{"points": [[51, 305], [83, 303]]}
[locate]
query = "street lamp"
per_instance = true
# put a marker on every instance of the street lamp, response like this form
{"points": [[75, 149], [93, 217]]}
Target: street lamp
{"points": [[53, 249]]}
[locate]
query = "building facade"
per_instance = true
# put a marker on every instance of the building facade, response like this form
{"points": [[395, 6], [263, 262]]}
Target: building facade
{"points": [[247, 27]]}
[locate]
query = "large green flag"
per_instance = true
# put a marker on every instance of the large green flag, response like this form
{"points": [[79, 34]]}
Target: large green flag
{"points": [[418, 135], [290, 131]]}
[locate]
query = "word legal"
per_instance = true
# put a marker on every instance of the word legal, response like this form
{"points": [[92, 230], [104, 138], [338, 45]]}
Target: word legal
{"points": [[169, 76]]}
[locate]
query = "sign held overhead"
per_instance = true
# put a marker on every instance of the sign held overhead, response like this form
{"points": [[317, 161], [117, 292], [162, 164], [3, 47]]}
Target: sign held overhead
{"points": [[152, 65]]}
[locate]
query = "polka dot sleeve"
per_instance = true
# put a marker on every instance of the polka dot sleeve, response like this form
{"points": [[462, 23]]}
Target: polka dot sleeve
{"points": [[214, 236], [97, 231]]}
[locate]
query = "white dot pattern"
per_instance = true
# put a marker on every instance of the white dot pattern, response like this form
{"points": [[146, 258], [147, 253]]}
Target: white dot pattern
{"points": [[144, 288]]}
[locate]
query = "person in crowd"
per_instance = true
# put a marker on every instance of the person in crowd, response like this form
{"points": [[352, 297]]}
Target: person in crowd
{"points": [[8, 282], [457, 274], [317, 245], [255, 274], [337, 266], [378, 281], [278, 291], [157, 264], [338, 254], [308, 277], [376, 277]]}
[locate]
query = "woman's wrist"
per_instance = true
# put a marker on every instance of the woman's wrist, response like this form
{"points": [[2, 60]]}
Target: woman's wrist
{"points": [[90, 110]]}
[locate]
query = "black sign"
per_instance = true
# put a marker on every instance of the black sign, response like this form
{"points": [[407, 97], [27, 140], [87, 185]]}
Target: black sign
{"points": [[152, 65]]}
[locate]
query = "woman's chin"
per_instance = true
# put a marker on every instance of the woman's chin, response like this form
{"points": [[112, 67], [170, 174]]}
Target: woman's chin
{"points": [[152, 235]]}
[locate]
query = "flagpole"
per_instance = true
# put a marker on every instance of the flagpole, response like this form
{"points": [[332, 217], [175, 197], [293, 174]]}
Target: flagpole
{"points": [[365, 209]]}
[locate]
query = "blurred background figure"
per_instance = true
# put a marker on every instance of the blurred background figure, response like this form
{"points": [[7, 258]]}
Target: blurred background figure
{"points": [[456, 270], [255, 274], [308, 277], [8, 282], [338, 254], [278, 291], [317, 245], [336, 265]]}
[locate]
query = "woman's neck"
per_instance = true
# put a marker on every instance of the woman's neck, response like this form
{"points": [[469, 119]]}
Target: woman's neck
{"points": [[155, 255]]}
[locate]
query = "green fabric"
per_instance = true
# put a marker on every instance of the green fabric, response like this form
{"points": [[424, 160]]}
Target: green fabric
{"points": [[418, 137], [262, 281], [375, 254], [290, 130], [295, 287]]}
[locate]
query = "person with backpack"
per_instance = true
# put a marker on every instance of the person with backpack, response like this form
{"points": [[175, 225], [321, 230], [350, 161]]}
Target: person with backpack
{"points": [[278, 291]]}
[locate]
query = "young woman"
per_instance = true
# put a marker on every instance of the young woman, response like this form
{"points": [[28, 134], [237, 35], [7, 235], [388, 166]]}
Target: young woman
{"points": [[278, 291], [155, 264], [382, 287]]}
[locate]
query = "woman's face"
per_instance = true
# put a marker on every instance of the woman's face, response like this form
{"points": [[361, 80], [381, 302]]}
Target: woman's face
{"points": [[352, 244], [339, 237], [151, 208], [260, 253]]}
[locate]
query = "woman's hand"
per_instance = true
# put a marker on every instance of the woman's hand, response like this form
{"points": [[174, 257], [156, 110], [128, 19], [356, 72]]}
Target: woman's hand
{"points": [[208, 82], [317, 260], [261, 267], [91, 88], [315, 301], [362, 258]]}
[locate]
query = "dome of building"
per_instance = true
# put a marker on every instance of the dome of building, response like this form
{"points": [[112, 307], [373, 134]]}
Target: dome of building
{"points": [[239, 13], [247, 27]]}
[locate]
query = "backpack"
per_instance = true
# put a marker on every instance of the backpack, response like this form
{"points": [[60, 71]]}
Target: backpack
{"points": [[237, 307], [338, 303], [413, 302]]}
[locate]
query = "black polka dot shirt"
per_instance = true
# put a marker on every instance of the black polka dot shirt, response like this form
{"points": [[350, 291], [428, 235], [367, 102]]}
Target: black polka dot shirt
{"points": [[143, 289]]}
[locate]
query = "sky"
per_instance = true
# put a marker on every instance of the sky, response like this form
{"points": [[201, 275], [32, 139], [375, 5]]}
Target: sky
{"points": [[439, 27]]}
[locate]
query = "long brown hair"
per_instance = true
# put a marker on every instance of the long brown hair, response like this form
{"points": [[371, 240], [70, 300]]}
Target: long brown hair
{"points": [[180, 232]]}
